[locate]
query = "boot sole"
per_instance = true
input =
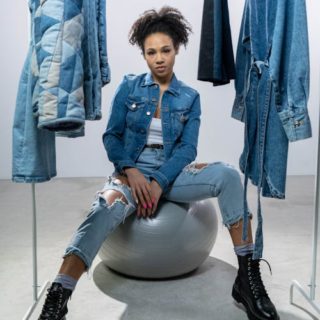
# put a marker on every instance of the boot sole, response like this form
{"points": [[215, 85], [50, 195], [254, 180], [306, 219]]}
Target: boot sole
{"points": [[240, 299]]}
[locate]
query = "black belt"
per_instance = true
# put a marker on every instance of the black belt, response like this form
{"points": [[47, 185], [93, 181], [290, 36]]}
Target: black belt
{"points": [[154, 146]]}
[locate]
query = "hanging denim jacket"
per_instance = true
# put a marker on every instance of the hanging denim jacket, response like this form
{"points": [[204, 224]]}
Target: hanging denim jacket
{"points": [[131, 112], [60, 84], [216, 60], [272, 92]]}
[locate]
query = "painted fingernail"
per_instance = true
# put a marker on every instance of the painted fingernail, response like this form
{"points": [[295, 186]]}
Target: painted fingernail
{"points": [[150, 205], [138, 214], [145, 206], [152, 200]]}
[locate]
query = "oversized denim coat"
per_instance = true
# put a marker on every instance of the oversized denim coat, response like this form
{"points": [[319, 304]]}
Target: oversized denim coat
{"points": [[60, 84], [272, 92]]}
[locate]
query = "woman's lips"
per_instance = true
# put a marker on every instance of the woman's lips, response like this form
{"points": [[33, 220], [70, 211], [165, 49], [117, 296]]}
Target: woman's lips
{"points": [[160, 68]]}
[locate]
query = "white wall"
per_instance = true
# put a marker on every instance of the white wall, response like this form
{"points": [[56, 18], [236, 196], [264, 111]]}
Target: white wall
{"points": [[221, 137]]}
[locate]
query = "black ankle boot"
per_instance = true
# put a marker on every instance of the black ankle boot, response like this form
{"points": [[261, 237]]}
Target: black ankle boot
{"points": [[55, 306], [249, 290]]}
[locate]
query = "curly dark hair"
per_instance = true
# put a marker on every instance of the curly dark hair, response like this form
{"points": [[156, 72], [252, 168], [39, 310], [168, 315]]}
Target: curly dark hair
{"points": [[168, 20]]}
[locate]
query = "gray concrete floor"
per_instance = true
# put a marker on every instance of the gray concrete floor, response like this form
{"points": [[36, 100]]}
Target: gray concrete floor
{"points": [[62, 204]]}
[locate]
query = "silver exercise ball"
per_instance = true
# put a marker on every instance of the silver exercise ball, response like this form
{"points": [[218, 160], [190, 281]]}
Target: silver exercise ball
{"points": [[177, 240]]}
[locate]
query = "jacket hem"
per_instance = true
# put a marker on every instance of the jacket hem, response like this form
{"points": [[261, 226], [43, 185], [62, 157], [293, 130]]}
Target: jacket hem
{"points": [[58, 124], [32, 179]]}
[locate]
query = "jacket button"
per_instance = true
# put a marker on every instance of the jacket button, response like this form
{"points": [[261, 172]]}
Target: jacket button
{"points": [[148, 113], [137, 148], [142, 131], [154, 99], [134, 105], [155, 86]]}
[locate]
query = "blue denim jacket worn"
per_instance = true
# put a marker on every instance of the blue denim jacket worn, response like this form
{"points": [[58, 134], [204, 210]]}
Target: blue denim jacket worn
{"points": [[131, 112], [60, 83], [272, 91]]}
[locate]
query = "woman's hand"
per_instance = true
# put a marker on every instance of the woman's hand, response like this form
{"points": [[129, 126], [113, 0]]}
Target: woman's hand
{"points": [[141, 190], [146, 195], [156, 192]]}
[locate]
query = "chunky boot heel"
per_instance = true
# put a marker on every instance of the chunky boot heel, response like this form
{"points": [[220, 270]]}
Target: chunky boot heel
{"points": [[249, 290], [55, 305], [235, 295]]}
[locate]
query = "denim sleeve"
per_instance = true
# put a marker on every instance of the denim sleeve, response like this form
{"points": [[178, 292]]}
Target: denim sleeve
{"points": [[243, 62], [113, 136], [289, 70], [102, 37], [58, 62], [186, 151]]}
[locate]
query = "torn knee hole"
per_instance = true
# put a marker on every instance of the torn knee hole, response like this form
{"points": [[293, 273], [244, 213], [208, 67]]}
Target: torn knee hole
{"points": [[121, 199], [196, 168], [111, 198]]}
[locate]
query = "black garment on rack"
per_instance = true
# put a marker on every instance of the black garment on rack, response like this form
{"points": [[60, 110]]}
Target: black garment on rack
{"points": [[216, 59]]}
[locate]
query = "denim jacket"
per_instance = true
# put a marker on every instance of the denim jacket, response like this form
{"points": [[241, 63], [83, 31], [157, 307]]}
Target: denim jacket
{"points": [[60, 83], [272, 91], [287, 37], [216, 59], [69, 63], [131, 112]]}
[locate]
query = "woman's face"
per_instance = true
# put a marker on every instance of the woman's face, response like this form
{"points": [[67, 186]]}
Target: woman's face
{"points": [[160, 54]]}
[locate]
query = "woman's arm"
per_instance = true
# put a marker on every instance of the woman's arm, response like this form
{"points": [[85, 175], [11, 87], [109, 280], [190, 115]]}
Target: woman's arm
{"points": [[187, 150], [112, 137]]}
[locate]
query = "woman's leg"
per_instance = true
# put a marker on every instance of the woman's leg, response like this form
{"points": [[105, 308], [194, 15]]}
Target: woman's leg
{"points": [[218, 179], [111, 206], [109, 209], [73, 265]]}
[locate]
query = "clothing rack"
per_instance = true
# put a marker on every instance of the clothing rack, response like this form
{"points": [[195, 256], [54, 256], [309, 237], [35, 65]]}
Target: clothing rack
{"points": [[36, 296], [295, 283]]}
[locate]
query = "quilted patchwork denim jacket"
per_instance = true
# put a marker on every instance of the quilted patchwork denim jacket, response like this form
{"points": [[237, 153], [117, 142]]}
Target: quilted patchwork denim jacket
{"points": [[60, 83], [131, 112], [69, 63]]}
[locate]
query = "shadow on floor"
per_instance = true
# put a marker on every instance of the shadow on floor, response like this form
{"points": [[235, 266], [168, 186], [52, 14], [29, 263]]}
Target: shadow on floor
{"points": [[203, 294]]}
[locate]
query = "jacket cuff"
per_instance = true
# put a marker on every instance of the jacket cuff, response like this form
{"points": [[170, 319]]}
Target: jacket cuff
{"points": [[161, 179], [126, 163], [238, 108], [296, 123]]}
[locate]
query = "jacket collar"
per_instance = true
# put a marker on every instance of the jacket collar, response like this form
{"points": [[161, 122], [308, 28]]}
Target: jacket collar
{"points": [[174, 86]]}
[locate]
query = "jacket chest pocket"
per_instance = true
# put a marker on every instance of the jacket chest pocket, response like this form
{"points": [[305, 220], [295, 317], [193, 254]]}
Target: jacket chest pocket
{"points": [[178, 120], [135, 107]]}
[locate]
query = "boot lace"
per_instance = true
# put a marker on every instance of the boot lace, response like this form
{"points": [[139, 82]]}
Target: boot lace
{"points": [[52, 304], [254, 275]]}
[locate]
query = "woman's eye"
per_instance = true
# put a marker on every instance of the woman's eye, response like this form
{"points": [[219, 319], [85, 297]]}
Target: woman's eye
{"points": [[167, 50], [150, 53]]}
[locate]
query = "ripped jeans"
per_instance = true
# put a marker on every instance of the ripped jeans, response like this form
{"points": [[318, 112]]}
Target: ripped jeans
{"points": [[216, 179]]}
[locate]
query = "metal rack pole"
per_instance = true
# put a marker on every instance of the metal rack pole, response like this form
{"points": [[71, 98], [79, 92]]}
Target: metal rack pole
{"points": [[36, 296], [295, 283]]}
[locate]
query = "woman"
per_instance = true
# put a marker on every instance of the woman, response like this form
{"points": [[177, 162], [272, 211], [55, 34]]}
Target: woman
{"points": [[151, 138]]}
